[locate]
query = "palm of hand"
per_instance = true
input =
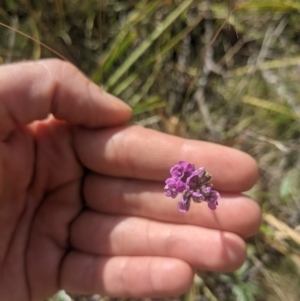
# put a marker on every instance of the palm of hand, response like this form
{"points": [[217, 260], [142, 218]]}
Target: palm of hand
{"points": [[46, 177], [84, 210]]}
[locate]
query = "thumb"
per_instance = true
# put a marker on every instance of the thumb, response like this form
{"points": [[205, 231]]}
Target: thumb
{"points": [[31, 91]]}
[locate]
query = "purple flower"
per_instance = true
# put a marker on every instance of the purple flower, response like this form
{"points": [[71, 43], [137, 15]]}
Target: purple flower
{"points": [[173, 187], [197, 197], [176, 172], [206, 189], [182, 170], [212, 199], [198, 178], [193, 184], [184, 204]]}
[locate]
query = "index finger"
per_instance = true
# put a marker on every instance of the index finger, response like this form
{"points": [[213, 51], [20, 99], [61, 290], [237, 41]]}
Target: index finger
{"points": [[140, 153], [30, 91]]}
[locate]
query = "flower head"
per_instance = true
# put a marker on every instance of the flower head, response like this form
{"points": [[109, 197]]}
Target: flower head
{"points": [[173, 187], [193, 184], [182, 170]]}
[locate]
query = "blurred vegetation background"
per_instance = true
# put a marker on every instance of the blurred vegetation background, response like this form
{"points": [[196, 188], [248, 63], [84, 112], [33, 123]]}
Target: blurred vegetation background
{"points": [[221, 71]]}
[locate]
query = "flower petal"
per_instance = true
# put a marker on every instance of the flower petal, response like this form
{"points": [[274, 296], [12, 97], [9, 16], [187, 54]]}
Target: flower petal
{"points": [[184, 207], [212, 206]]}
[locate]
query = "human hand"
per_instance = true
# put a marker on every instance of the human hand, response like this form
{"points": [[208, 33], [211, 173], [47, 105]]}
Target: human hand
{"points": [[81, 197]]}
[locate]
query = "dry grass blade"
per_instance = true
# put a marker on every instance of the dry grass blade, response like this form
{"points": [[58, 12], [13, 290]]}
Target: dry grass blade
{"points": [[282, 227], [262, 5], [267, 105], [272, 64], [36, 41], [272, 282]]}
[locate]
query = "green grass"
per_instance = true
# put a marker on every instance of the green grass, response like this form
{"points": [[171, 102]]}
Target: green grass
{"points": [[152, 54]]}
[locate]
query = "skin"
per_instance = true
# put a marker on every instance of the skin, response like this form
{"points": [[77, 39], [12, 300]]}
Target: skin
{"points": [[81, 195]]}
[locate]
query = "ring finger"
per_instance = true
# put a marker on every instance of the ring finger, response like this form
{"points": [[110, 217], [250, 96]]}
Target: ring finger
{"points": [[202, 248]]}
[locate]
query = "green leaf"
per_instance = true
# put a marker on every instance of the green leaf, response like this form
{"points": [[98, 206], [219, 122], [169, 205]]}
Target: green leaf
{"points": [[119, 50], [239, 293], [245, 291], [290, 183], [61, 296], [125, 83], [150, 104]]}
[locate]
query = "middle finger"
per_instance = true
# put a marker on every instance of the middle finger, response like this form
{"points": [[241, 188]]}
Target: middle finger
{"points": [[235, 213]]}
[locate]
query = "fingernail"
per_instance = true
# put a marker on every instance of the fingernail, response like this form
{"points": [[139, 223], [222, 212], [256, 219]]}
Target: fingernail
{"points": [[116, 101]]}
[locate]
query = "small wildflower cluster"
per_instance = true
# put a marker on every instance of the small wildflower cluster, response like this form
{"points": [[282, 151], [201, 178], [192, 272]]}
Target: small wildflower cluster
{"points": [[193, 184]]}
